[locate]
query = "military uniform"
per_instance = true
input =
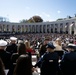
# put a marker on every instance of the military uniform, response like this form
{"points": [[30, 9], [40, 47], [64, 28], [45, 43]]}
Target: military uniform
{"points": [[68, 63], [5, 56], [48, 62], [12, 48]]}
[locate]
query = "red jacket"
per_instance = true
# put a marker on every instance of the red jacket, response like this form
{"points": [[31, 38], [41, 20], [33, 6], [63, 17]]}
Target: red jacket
{"points": [[30, 50]]}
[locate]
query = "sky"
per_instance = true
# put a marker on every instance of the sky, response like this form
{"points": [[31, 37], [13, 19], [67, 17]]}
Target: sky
{"points": [[48, 10]]}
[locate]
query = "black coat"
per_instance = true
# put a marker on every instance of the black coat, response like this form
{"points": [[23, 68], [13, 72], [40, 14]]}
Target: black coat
{"points": [[15, 56], [48, 63], [5, 56], [42, 50], [68, 63], [12, 48]]}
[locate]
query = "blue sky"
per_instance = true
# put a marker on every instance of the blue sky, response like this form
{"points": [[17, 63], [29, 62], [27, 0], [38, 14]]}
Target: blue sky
{"points": [[49, 10]]}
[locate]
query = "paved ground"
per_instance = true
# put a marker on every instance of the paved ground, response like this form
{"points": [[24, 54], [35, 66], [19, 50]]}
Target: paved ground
{"points": [[34, 60]]}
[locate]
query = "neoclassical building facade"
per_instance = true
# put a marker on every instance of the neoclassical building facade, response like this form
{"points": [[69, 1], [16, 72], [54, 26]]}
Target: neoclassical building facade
{"points": [[67, 26]]}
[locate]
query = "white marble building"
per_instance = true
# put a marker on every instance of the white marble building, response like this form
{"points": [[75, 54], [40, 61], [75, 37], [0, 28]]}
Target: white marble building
{"points": [[62, 26]]}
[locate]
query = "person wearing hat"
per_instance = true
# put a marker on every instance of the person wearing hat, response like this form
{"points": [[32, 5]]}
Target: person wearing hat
{"points": [[12, 47], [48, 63], [43, 47], [68, 62], [5, 56]]}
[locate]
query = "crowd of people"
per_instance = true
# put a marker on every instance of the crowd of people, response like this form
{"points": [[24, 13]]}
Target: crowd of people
{"points": [[56, 54]]}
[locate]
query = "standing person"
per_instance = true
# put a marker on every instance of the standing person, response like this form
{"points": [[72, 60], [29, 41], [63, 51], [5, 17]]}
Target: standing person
{"points": [[2, 68], [5, 56], [28, 47], [68, 63], [29, 50], [48, 62], [43, 47], [12, 48], [21, 49], [23, 66], [58, 48]]}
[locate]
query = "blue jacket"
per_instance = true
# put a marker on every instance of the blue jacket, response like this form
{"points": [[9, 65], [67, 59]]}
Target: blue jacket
{"points": [[48, 63]]}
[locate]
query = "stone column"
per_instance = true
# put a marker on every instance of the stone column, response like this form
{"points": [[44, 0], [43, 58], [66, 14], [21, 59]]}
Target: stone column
{"points": [[8, 28], [27, 28], [50, 28], [16, 28], [70, 28], [42, 28], [75, 29], [30, 28], [24, 28], [53, 28], [38, 28], [58, 28], [0, 28], [35, 28], [11, 28], [5, 28], [45, 28], [64, 28]]}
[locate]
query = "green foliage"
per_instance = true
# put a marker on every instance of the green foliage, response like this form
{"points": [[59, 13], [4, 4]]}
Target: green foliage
{"points": [[59, 19], [34, 19]]}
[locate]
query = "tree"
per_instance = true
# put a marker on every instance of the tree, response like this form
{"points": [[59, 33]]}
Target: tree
{"points": [[31, 20], [35, 19], [59, 19], [69, 17], [24, 21]]}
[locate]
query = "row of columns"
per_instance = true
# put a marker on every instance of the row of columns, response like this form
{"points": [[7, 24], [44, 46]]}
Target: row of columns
{"points": [[50, 28]]}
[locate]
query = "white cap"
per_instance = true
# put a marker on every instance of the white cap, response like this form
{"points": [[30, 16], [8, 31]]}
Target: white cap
{"points": [[13, 38], [20, 41], [3, 43], [71, 44]]}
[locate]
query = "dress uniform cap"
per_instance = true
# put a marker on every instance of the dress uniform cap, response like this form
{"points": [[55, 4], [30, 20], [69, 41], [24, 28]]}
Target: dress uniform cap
{"points": [[20, 41], [50, 45], [13, 38], [71, 46], [3, 43]]}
